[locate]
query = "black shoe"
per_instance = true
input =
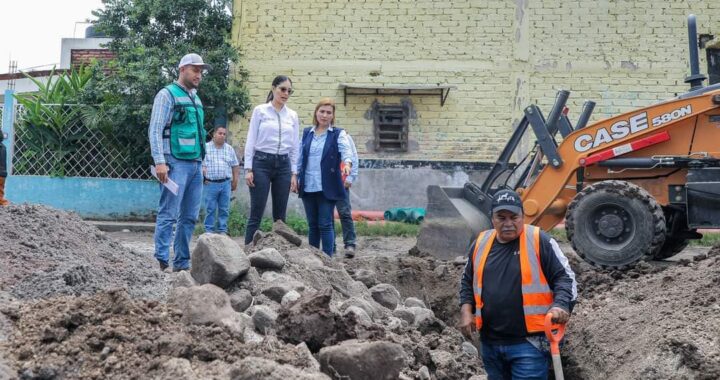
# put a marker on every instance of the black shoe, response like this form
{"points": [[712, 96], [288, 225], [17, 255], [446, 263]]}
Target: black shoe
{"points": [[163, 266], [349, 252]]}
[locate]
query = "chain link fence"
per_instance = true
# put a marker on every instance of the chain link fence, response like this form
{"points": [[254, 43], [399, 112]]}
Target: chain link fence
{"points": [[64, 140]]}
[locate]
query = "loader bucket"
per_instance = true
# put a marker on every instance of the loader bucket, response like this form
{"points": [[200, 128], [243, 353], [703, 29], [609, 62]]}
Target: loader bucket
{"points": [[452, 221]]}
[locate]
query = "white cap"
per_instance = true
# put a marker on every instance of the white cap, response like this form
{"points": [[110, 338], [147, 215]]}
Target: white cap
{"points": [[193, 59]]}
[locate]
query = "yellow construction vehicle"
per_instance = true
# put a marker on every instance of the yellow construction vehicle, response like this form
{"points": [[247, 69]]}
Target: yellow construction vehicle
{"points": [[634, 186]]}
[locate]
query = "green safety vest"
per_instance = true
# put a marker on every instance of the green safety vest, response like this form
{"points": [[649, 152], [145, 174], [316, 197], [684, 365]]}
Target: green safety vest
{"points": [[186, 131]]}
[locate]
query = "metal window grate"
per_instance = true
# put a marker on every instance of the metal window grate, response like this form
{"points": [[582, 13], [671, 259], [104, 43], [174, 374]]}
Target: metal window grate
{"points": [[391, 128]]}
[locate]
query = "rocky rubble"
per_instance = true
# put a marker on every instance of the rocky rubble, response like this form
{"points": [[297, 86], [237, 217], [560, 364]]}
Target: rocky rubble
{"points": [[277, 311]]}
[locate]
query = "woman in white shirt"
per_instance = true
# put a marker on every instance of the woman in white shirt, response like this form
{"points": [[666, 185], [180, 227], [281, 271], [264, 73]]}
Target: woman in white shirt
{"points": [[271, 152]]}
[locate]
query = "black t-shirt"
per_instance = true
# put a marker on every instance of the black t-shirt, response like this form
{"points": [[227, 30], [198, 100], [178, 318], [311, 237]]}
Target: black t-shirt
{"points": [[502, 312]]}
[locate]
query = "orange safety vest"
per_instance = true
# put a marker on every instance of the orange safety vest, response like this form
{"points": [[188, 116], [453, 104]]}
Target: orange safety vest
{"points": [[536, 293]]}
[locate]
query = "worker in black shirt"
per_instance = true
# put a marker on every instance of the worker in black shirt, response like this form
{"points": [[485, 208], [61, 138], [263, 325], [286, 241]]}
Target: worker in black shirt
{"points": [[514, 276]]}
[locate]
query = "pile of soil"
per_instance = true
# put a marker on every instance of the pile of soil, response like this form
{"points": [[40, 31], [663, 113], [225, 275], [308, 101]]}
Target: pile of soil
{"points": [[47, 252], [110, 335], [652, 322]]}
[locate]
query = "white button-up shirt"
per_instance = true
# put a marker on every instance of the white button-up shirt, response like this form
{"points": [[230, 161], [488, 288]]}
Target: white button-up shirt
{"points": [[273, 132]]}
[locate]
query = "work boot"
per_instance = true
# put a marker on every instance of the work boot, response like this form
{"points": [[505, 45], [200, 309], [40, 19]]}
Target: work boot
{"points": [[163, 266], [3, 201], [349, 252]]}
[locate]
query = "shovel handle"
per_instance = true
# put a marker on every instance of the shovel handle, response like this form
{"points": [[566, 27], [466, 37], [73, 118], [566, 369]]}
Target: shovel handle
{"points": [[556, 336]]}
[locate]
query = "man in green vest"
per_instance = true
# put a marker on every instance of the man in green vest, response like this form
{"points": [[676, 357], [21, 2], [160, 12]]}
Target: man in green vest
{"points": [[177, 144]]}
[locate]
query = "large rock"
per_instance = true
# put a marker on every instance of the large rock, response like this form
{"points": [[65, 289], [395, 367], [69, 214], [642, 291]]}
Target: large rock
{"points": [[367, 277], [254, 368], [268, 258], [361, 303], [182, 279], [363, 360], [404, 314], [360, 314], [414, 302], [264, 318], [305, 353], [207, 304], [218, 260], [311, 320], [241, 300], [286, 232], [386, 295], [290, 297], [277, 285]]}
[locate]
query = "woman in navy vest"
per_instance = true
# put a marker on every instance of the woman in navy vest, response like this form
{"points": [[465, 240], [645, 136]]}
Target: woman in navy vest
{"points": [[320, 184]]}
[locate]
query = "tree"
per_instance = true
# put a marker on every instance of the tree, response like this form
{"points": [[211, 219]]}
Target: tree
{"points": [[149, 38]]}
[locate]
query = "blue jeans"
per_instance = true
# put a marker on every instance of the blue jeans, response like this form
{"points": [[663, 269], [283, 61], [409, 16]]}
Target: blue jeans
{"points": [[271, 172], [217, 198], [182, 209], [515, 361], [346, 221], [319, 213]]}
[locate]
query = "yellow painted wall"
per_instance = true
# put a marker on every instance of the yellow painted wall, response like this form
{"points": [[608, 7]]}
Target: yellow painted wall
{"points": [[501, 55]]}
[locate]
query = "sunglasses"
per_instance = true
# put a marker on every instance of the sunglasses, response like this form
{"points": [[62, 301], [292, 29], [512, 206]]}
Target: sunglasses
{"points": [[289, 91]]}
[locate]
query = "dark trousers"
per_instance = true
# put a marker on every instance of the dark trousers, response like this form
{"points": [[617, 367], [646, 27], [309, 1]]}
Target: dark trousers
{"points": [[271, 173], [321, 228], [346, 221]]}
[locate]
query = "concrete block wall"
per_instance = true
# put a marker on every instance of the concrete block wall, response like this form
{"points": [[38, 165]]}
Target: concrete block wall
{"points": [[501, 56]]}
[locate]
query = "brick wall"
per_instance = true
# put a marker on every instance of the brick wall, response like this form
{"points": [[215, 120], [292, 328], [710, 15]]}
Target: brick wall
{"points": [[85, 56], [501, 55]]}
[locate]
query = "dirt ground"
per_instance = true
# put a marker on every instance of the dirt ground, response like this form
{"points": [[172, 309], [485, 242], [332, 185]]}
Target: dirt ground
{"points": [[64, 316]]}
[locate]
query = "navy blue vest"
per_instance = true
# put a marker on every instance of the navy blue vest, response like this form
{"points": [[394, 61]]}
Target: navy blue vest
{"points": [[332, 184]]}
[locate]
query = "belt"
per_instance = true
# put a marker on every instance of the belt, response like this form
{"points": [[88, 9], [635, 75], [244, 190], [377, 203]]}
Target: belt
{"points": [[269, 155], [217, 180]]}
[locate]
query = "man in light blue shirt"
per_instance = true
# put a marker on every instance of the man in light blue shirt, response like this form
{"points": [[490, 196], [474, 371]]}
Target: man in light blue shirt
{"points": [[221, 171], [343, 206]]}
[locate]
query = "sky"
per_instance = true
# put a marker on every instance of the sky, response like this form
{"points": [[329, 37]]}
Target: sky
{"points": [[32, 30]]}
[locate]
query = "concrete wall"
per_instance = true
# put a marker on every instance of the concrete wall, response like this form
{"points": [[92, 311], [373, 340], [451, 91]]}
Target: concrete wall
{"points": [[96, 198], [501, 55]]}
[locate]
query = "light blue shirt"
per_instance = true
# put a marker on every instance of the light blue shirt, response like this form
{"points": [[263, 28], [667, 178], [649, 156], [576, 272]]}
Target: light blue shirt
{"points": [[313, 174], [354, 171]]}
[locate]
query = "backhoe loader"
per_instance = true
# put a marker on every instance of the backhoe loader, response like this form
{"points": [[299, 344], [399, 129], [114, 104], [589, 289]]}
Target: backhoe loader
{"points": [[631, 187]]}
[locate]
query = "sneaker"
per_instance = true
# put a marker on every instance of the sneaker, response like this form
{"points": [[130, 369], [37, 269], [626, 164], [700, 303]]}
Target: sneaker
{"points": [[349, 252], [163, 266]]}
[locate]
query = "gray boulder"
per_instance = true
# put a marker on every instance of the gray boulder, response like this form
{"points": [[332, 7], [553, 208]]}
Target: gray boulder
{"points": [[264, 318], [241, 300], [386, 295], [361, 303], [218, 260], [182, 279], [290, 297], [363, 360], [305, 353], [367, 277], [277, 285], [268, 258], [404, 314], [360, 314], [207, 304], [286, 232], [414, 302]]}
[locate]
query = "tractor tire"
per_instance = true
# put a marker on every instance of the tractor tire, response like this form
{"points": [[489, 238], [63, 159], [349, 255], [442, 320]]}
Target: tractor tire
{"points": [[615, 224]]}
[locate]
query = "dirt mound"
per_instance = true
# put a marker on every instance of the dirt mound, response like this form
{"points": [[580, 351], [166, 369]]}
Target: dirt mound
{"points": [[110, 335], [658, 322], [47, 252]]}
